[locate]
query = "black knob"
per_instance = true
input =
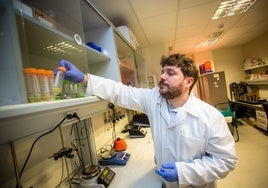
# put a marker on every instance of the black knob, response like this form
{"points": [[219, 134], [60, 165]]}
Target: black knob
{"points": [[111, 105]]}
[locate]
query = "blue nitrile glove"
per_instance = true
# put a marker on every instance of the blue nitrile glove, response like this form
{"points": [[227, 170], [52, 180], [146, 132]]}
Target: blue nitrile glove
{"points": [[168, 172], [72, 74]]}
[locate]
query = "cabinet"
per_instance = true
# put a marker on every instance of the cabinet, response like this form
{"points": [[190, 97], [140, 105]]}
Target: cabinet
{"points": [[251, 112], [212, 88], [126, 61], [38, 33], [261, 120], [141, 71]]}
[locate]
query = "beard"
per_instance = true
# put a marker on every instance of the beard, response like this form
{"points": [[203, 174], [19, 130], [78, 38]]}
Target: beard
{"points": [[169, 92]]}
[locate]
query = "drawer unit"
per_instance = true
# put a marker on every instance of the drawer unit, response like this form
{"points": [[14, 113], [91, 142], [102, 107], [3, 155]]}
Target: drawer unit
{"points": [[261, 120]]}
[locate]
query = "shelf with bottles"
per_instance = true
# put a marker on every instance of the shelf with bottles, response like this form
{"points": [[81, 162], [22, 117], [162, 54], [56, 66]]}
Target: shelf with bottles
{"points": [[29, 42], [254, 63], [257, 74], [46, 41], [36, 44], [256, 66], [53, 46]]}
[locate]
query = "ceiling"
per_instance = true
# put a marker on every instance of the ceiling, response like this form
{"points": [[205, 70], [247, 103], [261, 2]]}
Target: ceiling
{"points": [[180, 25]]}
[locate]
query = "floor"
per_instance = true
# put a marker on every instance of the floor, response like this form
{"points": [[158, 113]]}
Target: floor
{"points": [[252, 168]]}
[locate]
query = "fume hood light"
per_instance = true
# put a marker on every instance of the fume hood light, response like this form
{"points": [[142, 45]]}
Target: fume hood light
{"points": [[232, 7], [61, 47]]}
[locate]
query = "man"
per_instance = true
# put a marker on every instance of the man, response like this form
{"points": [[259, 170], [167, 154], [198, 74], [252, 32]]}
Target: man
{"points": [[193, 145]]}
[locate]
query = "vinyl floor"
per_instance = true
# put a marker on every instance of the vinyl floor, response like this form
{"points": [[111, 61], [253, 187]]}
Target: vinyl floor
{"points": [[252, 168]]}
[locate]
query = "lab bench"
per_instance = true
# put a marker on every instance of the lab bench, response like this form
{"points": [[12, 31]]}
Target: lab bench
{"points": [[140, 168], [255, 111]]}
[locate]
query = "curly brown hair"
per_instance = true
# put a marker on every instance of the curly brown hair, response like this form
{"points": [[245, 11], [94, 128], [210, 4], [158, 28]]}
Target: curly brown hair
{"points": [[185, 63]]}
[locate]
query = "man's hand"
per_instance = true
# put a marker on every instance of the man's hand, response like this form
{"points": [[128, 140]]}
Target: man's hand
{"points": [[168, 172], [72, 74]]}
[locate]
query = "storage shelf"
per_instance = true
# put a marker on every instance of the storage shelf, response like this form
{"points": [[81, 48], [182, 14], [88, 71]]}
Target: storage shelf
{"points": [[20, 121], [257, 81], [11, 111], [41, 36], [33, 38], [255, 67]]}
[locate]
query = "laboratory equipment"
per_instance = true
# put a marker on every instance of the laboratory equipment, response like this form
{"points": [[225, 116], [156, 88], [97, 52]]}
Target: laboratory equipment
{"points": [[51, 80], [120, 144], [59, 80], [137, 132], [32, 85], [106, 176], [118, 158], [89, 177], [43, 82]]}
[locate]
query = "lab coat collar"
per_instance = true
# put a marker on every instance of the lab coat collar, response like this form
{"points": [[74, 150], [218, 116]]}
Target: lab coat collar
{"points": [[164, 109], [189, 107]]}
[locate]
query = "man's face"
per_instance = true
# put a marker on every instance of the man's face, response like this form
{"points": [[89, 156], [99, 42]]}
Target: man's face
{"points": [[171, 83]]}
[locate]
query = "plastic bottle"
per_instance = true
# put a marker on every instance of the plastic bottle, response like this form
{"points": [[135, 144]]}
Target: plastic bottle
{"points": [[32, 85], [43, 82], [59, 80], [51, 80]]}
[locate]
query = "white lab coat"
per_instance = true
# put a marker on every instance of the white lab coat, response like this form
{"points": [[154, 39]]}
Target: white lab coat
{"points": [[199, 141]]}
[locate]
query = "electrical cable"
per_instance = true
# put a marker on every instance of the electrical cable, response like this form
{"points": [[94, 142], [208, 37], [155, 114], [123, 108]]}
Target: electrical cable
{"points": [[103, 150], [76, 180], [68, 116], [114, 118], [76, 150], [114, 133]]}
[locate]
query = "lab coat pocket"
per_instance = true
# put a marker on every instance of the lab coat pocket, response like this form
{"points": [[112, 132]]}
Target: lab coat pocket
{"points": [[191, 147]]}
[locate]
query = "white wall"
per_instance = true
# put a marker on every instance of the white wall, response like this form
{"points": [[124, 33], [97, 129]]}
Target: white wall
{"points": [[230, 60], [257, 47], [152, 55]]}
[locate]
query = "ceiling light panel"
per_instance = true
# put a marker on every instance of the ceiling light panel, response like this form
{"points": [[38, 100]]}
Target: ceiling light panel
{"points": [[232, 7], [211, 39]]}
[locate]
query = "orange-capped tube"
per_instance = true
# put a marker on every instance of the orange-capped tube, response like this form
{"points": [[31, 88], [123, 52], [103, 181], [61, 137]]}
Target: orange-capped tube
{"points": [[43, 82], [51, 80], [32, 85]]}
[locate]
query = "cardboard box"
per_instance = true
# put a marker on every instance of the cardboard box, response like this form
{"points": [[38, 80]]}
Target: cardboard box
{"points": [[44, 18]]}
